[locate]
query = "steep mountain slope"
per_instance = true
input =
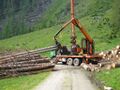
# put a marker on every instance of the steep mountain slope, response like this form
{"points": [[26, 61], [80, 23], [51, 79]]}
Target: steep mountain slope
{"points": [[44, 38], [59, 10], [95, 15], [23, 16], [19, 16]]}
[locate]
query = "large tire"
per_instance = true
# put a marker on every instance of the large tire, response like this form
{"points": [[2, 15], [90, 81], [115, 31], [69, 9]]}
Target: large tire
{"points": [[77, 62], [70, 61]]}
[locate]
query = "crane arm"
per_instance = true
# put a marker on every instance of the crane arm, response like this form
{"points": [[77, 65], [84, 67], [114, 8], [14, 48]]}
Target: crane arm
{"points": [[83, 31], [77, 24], [64, 26]]}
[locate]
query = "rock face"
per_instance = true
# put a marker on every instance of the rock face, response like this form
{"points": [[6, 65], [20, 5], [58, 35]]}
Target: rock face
{"points": [[20, 16], [32, 9], [39, 9]]}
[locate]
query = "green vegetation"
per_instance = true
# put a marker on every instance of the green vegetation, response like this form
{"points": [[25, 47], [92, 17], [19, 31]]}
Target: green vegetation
{"points": [[100, 18], [23, 82], [44, 37], [110, 78], [115, 20], [20, 13], [19, 16]]}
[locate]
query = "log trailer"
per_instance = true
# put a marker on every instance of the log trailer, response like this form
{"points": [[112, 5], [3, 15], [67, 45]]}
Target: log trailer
{"points": [[78, 53]]}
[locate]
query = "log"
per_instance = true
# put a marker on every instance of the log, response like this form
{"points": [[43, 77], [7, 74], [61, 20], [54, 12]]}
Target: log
{"points": [[93, 67], [108, 67], [19, 54], [23, 63], [85, 66], [19, 66], [118, 47], [15, 73], [26, 69], [115, 65], [32, 61], [90, 67], [4, 75], [26, 55], [10, 66], [26, 61], [103, 64], [107, 88], [9, 60]]}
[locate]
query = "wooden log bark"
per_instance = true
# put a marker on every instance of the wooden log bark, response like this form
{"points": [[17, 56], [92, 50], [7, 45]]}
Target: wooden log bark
{"points": [[25, 61], [115, 65], [15, 73], [26, 55], [12, 66], [6, 75], [25, 69], [103, 64], [85, 66]]}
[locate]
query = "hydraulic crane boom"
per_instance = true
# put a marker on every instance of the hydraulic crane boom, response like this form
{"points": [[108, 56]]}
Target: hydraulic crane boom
{"points": [[77, 53], [74, 22], [83, 31]]}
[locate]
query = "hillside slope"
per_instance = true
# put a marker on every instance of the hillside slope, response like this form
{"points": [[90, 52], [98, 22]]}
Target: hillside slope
{"points": [[44, 38], [95, 16], [59, 10], [19, 17]]}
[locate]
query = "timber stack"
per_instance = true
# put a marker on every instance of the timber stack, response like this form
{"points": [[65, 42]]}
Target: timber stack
{"points": [[23, 63], [110, 59]]}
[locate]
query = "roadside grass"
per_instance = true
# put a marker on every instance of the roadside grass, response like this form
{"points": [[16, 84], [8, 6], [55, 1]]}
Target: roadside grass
{"points": [[27, 82], [110, 78]]}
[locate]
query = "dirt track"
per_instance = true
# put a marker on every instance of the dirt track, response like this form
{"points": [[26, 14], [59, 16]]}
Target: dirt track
{"points": [[67, 78]]}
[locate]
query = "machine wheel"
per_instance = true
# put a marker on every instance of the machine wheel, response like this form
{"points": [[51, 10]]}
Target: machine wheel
{"points": [[69, 61], [76, 62]]}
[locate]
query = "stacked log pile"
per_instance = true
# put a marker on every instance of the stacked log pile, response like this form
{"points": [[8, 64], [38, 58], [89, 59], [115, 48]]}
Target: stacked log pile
{"points": [[23, 63], [90, 67], [113, 54], [110, 59]]}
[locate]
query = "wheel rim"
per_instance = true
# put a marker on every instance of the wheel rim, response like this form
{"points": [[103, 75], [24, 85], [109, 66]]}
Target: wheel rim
{"points": [[69, 61], [76, 62]]}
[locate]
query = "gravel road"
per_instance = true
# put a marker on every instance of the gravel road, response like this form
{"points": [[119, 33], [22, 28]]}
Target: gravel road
{"points": [[67, 78]]}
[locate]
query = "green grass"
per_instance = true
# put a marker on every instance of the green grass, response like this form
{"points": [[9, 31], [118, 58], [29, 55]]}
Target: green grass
{"points": [[87, 11], [44, 37], [59, 11], [110, 78], [91, 16], [23, 82]]}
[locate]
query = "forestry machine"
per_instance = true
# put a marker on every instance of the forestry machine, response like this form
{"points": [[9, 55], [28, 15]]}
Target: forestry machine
{"points": [[78, 53]]}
